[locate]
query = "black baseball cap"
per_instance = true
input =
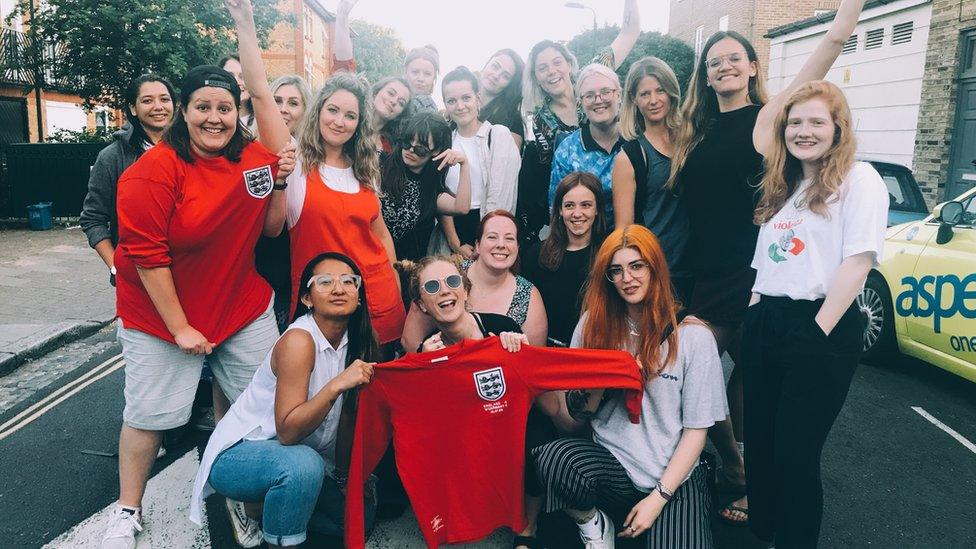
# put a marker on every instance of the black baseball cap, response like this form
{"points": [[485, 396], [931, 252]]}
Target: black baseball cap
{"points": [[204, 76]]}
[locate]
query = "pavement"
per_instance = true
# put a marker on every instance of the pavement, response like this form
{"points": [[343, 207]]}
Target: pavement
{"points": [[54, 290]]}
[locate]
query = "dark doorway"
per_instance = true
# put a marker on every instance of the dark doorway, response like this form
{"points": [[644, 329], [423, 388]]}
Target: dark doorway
{"points": [[13, 120], [962, 168]]}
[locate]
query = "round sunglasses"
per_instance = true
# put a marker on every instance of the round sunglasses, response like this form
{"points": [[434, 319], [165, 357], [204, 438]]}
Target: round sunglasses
{"points": [[433, 286]]}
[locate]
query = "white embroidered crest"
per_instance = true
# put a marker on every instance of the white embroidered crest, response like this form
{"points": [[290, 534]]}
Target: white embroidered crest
{"points": [[259, 181], [490, 384]]}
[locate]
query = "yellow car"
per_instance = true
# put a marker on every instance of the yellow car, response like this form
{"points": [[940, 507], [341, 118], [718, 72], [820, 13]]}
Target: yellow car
{"points": [[921, 299]]}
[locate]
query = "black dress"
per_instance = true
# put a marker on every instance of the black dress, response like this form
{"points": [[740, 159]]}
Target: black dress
{"points": [[562, 290], [719, 185]]}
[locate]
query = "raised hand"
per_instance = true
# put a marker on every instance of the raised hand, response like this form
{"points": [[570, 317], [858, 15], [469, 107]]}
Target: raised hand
{"points": [[240, 10], [344, 7], [513, 341]]}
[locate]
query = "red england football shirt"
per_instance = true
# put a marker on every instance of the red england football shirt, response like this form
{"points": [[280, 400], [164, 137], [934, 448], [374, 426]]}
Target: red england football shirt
{"points": [[457, 420], [202, 220]]}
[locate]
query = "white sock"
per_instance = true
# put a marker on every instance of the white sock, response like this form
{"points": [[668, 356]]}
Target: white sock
{"points": [[134, 511], [593, 528]]}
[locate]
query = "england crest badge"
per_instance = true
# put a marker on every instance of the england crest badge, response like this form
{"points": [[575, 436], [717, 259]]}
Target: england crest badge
{"points": [[259, 181], [490, 384]]}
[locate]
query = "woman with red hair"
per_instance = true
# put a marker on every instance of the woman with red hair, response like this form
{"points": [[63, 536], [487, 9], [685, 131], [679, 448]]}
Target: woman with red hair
{"points": [[822, 221], [644, 477]]}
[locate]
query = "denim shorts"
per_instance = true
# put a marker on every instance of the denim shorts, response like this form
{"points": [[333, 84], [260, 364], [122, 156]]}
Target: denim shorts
{"points": [[161, 380]]}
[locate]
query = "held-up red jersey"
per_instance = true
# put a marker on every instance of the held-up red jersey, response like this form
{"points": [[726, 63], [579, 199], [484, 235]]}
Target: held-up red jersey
{"points": [[202, 220], [457, 419]]}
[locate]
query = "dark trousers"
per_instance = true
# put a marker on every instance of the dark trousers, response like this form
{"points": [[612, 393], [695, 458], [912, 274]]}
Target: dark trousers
{"points": [[796, 381]]}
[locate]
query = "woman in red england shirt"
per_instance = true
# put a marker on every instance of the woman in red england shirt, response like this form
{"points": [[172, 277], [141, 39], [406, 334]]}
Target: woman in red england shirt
{"points": [[332, 198], [190, 212]]}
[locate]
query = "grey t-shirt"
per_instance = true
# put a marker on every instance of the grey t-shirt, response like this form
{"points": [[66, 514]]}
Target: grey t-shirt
{"points": [[688, 394]]}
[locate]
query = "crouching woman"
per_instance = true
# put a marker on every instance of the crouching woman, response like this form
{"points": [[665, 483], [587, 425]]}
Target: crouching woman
{"points": [[644, 477], [277, 444]]}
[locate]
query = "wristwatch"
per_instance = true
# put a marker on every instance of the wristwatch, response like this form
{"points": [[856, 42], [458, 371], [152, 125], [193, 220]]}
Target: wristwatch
{"points": [[111, 275], [280, 185], [664, 492]]}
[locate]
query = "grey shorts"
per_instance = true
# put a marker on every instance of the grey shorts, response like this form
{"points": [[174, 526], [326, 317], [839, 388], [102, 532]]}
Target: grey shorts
{"points": [[161, 380]]}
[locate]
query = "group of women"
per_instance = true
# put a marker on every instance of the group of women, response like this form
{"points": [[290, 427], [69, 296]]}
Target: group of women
{"points": [[677, 229]]}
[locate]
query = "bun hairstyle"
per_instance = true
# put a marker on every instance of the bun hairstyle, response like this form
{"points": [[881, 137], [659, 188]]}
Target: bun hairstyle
{"points": [[427, 53], [412, 269]]}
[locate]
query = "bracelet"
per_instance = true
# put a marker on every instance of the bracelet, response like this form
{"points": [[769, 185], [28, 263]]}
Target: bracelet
{"points": [[280, 186], [341, 478], [664, 492]]}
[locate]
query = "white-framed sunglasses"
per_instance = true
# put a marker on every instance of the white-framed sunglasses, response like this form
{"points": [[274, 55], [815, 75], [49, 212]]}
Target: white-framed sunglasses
{"points": [[325, 282]]}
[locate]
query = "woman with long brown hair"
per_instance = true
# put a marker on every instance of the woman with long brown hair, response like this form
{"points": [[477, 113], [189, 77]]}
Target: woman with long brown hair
{"points": [[823, 218], [717, 165], [644, 477]]}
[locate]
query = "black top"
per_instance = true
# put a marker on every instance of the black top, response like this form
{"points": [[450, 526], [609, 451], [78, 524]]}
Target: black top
{"points": [[506, 116], [410, 213], [562, 290], [489, 324], [719, 185]]}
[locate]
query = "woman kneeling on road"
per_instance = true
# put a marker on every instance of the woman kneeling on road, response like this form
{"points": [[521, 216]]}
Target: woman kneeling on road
{"points": [[277, 444], [644, 477], [190, 213]]}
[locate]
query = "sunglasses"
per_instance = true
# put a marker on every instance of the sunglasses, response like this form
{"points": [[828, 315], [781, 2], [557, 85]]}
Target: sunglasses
{"points": [[433, 286], [419, 149]]}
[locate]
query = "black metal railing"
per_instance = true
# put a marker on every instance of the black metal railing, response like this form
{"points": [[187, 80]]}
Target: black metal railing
{"points": [[18, 66]]}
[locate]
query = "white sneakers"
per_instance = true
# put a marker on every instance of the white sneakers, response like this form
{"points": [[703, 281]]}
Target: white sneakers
{"points": [[123, 525], [606, 539], [247, 531]]}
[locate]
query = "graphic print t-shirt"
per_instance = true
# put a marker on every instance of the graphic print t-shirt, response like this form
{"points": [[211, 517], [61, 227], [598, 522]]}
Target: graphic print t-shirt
{"points": [[799, 251], [457, 420]]}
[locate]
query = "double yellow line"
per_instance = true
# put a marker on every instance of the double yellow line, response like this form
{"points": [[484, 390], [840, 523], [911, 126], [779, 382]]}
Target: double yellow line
{"points": [[44, 405]]}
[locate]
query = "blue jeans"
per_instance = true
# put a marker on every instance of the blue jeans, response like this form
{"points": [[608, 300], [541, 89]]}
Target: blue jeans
{"points": [[291, 482]]}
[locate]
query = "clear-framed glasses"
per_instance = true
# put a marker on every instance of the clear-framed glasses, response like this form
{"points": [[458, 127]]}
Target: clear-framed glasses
{"points": [[325, 282], [637, 269], [716, 62], [433, 286], [592, 97]]}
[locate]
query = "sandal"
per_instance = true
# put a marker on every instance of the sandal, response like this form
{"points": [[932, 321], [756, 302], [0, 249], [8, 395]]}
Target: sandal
{"points": [[724, 485], [733, 508], [526, 541]]}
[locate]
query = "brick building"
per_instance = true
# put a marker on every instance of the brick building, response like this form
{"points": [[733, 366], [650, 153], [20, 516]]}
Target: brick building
{"points": [[945, 145], [303, 47], [693, 21]]}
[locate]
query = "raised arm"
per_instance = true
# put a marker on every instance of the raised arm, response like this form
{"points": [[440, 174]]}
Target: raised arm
{"points": [[460, 203], [629, 33], [815, 68], [342, 44], [271, 127]]}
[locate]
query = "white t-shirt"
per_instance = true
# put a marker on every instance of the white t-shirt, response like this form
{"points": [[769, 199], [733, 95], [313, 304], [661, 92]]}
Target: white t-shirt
{"points": [[798, 251], [471, 149], [342, 180]]}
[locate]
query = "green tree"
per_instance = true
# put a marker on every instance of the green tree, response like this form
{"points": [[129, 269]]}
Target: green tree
{"points": [[103, 44], [378, 50], [674, 52]]}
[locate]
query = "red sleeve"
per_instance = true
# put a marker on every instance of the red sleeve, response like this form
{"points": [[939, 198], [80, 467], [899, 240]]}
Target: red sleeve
{"points": [[373, 432], [347, 65], [552, 369], [145, 205]]}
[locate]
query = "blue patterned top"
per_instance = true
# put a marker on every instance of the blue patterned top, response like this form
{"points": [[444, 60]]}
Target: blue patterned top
{"points": [[578, 152]]}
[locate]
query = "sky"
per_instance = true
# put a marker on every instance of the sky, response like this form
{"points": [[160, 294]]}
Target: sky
{"points": [[490, 25]]}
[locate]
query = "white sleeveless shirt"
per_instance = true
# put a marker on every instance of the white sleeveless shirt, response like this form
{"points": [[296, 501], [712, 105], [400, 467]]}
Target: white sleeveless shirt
{"points": [[252, 416]]}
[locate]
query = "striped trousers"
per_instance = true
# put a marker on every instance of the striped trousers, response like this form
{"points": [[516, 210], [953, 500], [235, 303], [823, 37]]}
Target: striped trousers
{"points": [[582, 474]]}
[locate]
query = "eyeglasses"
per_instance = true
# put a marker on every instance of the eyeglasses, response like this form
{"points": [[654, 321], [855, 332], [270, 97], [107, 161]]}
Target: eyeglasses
{"points": [[325, 282], [590, 97], [419, 149], [718, 60], [433, 286], [637, 269]]}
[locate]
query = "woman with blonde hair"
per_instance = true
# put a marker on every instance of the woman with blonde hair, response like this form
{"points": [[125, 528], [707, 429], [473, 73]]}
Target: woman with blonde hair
{"points": [[823, 218], [717, 164], [644, 477], [649, 120], [332, 198]]}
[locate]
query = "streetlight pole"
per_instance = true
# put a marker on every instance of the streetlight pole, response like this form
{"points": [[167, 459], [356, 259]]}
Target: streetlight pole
{"points": [[582, 6]]}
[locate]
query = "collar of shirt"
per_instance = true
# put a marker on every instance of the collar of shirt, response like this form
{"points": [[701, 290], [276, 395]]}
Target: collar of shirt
{"points": [[590, 144]]}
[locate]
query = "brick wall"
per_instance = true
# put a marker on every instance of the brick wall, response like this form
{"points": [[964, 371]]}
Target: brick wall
{"points": [[751, 18], [933, 141]]}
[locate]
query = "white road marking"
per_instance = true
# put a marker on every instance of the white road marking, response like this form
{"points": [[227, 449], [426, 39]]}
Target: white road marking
{"points": [[951, 432], [165, 517], [11, 427]]}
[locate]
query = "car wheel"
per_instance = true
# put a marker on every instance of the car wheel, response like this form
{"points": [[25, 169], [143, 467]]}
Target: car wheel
{"points": [[874, 301]]}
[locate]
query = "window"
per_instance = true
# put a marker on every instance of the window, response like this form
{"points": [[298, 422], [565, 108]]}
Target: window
{"points": [[873, 39], [818, 13], [723, 23], [103, 119], [699, 41], [903, 194], [902, 33], [850, 46]]}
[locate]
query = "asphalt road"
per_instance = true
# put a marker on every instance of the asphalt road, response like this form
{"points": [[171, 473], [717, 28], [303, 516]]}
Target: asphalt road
{"points": [[893, 477]]}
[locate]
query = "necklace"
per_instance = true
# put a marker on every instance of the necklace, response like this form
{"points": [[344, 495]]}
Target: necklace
{"points": [[633, 327]]}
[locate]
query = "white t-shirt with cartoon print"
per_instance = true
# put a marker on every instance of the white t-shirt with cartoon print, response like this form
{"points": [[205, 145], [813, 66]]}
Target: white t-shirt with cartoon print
{"points": [[798, 251]]}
